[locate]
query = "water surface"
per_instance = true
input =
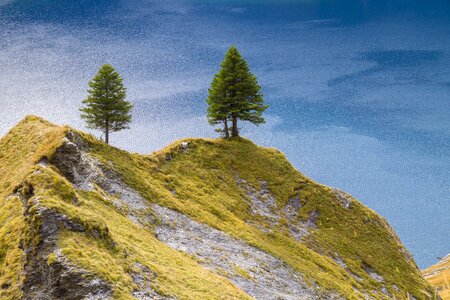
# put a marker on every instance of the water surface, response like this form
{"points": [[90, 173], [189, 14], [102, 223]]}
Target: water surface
{"points": [[359, 90]]}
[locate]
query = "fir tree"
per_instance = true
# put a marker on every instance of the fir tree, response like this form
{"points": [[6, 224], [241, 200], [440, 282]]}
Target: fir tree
{"points": [[106, 108], [235, 95], [218, 111]]}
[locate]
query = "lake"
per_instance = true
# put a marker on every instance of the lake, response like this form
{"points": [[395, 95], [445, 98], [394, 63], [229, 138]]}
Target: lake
{"points": [[359, 91]]}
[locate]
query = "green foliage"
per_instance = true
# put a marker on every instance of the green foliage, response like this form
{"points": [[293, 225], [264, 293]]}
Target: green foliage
{"points": [[234, 94], [106, 108]]}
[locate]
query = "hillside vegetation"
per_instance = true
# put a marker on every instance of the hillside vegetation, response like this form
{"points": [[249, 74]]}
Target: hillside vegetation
{"points": [[71, 204], [439, 276]]}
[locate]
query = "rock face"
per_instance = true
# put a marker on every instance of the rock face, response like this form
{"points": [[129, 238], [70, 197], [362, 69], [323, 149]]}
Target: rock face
{"points": [[263, 205], [58, 278], [256, 272], [86, 172], [201, 219]]}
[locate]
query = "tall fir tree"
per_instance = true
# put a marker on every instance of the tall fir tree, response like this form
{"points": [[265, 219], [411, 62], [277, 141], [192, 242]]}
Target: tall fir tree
{"points": [[235, 95], [106, 108]]}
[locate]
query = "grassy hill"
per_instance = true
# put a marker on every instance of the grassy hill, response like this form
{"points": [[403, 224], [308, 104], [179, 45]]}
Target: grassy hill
{"points": [[107, 223], [439, 276]]}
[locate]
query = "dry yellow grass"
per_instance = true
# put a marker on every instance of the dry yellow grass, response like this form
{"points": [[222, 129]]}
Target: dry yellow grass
{"points": [[20, 150], [204, 179], [439, 276]]}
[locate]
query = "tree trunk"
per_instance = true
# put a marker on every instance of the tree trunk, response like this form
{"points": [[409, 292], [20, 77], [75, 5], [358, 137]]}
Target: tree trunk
{"points": [[234, 129], [107, 131], [225, 129]]}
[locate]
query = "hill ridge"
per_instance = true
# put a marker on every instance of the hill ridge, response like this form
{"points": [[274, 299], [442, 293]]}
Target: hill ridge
{"points": [[118, 221]]}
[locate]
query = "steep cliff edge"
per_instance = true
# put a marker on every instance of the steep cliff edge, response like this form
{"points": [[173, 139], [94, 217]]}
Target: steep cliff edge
{"points": [[200, 219]]}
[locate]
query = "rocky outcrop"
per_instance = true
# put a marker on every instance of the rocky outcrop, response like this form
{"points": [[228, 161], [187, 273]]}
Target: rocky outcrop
{"points": [[86, 172], [48, 274], [76, 165], [258, 273], [344, 198], [263, 205]]}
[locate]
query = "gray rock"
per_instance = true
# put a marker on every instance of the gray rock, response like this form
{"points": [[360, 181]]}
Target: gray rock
{"points": [[292, 207], [184, 145], [262, 203], [258, 273], [374, 275], [85, 171], [344, 198], [143, 278], [59, 279]]}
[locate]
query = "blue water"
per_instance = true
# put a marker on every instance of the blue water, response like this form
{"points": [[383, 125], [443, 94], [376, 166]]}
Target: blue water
{"points": [[359, 90]]}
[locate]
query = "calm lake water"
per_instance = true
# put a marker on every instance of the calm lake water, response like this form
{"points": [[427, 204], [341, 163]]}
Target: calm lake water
{"points": [[359, 90]]}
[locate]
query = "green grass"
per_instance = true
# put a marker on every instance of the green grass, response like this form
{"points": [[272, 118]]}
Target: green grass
{"points": [[204, 179]]}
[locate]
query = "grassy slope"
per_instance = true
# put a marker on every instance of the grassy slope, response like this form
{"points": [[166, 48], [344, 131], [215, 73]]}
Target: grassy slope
{"points": [[20, 149], [177, 274], [204, 179], [439, 276]]}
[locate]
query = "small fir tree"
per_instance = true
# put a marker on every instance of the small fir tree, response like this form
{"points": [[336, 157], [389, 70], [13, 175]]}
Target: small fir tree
{"points": [[106, 108], [235, 95]]}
